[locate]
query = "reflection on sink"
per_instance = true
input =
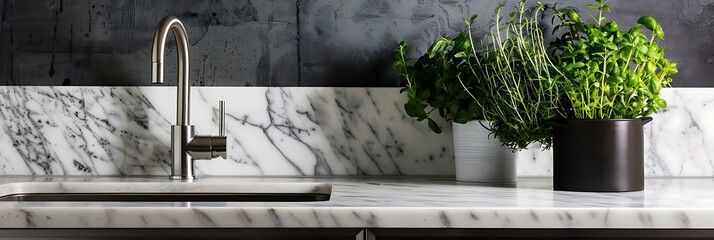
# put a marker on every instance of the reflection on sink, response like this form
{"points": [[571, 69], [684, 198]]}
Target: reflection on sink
{"points": [[166, 192]]}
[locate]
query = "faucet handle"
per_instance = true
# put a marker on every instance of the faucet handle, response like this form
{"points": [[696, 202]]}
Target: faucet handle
{"points": [[222, 118], [211, 146]]}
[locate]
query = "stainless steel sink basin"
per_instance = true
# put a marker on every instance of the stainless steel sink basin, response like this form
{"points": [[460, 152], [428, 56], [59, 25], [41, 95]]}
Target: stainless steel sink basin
{"points": [[165, 192]]}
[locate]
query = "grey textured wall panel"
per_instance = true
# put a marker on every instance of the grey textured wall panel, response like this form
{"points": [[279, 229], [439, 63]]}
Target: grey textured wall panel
{"points": [[90, 42], [350, 42], [282, 42]]}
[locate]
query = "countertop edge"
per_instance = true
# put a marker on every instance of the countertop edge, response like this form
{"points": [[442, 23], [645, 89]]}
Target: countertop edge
{"points": [[356, 217]]}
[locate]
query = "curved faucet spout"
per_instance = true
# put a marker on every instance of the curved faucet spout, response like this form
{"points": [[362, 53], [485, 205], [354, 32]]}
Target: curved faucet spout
{"points": [[186, 146], [157, 65]]}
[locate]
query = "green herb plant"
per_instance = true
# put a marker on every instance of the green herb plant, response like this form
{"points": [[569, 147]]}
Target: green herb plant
{"points": [[433, 83], [517, 78], [609, 73]]}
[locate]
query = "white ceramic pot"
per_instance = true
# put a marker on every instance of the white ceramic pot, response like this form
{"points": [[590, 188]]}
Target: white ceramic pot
{"points": [[480, 157]]}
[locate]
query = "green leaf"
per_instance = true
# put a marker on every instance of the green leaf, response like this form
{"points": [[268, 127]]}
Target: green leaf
{"points": [[434, 127], [454, 108], [659, 103], [576, 65], [650, 67], [472, 18], [409, 109], [643, 49], [610, 45], [655, 86], [671, 69], [659, 33], [649, 23], [614, 80], [397, 65], [463, 117], [418, 110], [611, 27], [437, 47], [625, 52], [635, 29], [572, 15], [632, 81], [462, 43]]}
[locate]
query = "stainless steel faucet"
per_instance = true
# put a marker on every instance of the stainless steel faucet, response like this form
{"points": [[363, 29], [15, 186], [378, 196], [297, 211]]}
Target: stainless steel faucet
{"points": [[186, 146]]}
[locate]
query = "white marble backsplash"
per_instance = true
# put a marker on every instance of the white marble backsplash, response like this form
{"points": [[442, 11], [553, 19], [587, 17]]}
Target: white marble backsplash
{"points": [[285, 131], [271, 132]]}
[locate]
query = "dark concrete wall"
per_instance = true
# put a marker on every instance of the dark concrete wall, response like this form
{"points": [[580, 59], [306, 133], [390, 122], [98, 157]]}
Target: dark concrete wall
{"points": [[280, 42]]}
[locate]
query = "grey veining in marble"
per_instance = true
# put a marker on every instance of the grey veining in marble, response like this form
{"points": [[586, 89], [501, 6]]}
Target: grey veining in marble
{"points": [[272, 132], [390, 203]]}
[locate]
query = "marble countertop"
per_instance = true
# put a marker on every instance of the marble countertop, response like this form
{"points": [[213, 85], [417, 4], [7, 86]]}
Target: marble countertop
{"points": [[390, 203]]}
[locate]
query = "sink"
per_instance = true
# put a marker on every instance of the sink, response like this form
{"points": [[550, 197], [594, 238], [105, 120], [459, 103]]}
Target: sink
{"points": [[165, 192]]}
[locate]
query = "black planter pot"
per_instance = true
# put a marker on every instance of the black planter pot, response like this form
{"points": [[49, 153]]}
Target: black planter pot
{"points": [[599, 155]]}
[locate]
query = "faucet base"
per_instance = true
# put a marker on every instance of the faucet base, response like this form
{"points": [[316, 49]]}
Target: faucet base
{"points": [[182, 178], [181, 160]]}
